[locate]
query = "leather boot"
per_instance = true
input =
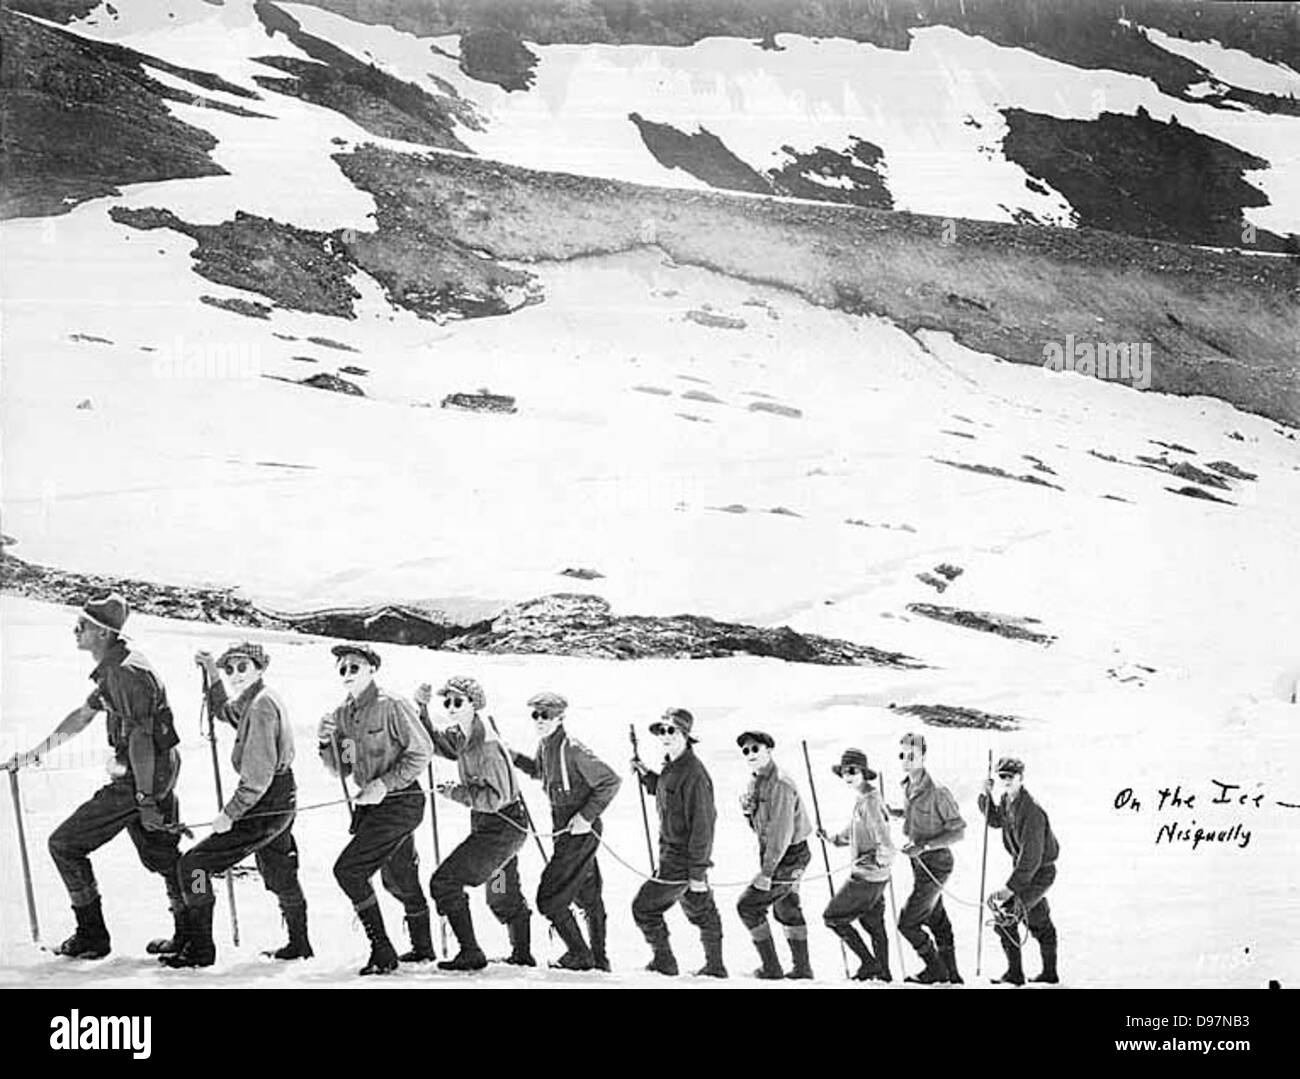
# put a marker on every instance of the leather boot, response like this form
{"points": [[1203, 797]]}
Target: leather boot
{"points": [[802, 969], [713, 967], [868, 969], [596, 933], [1049, 975], [90, 940], [172, 945], [417, 925], [663, 961], [949, 957], [470, 956], [771, 970], [578, 955], [299, 947], [383, 957], [521, 942], [199, 949], [1015, 974], [935, 972]]}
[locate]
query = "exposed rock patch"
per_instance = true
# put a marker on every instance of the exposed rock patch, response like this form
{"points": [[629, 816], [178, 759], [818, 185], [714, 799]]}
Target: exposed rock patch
{"points": [[1013, 627], [499, 57], [991, 470], [296, 268], [950, 715], [480, 402], [247, 308], [577, 625]]}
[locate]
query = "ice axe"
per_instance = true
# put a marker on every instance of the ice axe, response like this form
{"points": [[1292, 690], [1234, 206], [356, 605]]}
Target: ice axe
{"points": [[22, 852]]}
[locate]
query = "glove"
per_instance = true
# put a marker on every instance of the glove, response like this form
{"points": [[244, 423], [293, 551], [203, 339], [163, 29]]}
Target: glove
{"points": [[639, 766], [699, 886], [151, 816], [205, 661], [1002, 896], [579, 825], [221, 824], [114, 767], [912, 850], [423, 693], [761, 883], [11, 765], [372, 793]]}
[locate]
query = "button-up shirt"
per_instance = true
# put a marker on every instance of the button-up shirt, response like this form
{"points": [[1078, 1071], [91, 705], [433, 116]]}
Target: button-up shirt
{"points": [[381, 738], [930, 810]]}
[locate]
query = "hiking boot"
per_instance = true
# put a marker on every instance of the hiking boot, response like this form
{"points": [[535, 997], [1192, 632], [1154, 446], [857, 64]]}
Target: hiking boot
{"points": [[802, 969], [596, 932], [713, 967], [663, 962], [90, 940], [383, 956], [170, 945], [299, 947], [417, 926], [1049, 975], [199, 949], [521, 936], [949, 957], [771, 970], [470, 956], [578, 955], [1015, 974], [935, 972]]}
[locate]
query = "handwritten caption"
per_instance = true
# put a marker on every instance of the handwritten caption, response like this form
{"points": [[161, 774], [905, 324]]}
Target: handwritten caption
{"points": [[1186, 829]]}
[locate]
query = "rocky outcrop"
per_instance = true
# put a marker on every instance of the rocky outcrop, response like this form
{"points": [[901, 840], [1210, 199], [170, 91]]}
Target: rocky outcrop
{"points": [[950, 715], [1014, 627], [564, 624], [580, 625]]}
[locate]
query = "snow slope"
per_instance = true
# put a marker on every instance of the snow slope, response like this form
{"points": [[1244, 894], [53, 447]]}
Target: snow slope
{"points": [[182, 479], [637, 451]]}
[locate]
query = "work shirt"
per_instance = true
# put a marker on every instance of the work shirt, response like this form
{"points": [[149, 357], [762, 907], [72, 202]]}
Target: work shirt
{"points": [[683, 794], [1026, 835], [776, 813], [487, 781], [380, 738], [263, 741], [575, 780], [867, 837], [929, 810], [140, 727]]}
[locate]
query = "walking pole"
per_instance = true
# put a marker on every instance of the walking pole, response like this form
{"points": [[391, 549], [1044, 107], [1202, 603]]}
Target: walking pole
{"points": [[893, 903], [22, 851], [984, 862], [826, 858], [433, 820], [640, 789], [528, 817], [221, 802]]}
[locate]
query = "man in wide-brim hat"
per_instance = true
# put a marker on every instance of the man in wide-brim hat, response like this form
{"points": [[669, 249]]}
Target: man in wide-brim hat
{"points": [[257, 819], [861, 898]]}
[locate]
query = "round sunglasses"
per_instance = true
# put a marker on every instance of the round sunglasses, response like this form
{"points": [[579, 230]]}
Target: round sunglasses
{"points": [[237, 666]]}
